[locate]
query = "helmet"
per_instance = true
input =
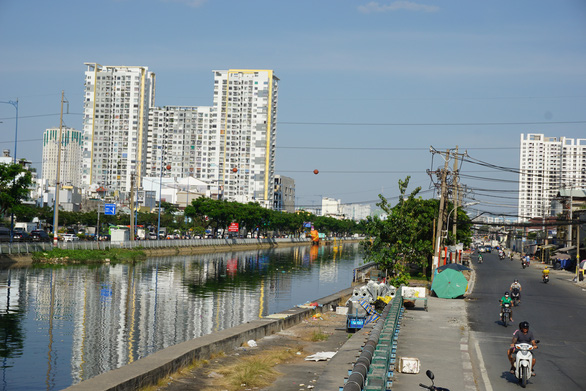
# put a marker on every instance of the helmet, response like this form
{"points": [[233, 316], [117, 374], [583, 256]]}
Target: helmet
{"points": [[524, 325], [516, 280], [506, 294]]}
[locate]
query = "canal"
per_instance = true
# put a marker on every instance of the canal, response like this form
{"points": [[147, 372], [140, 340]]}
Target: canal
{"points": [[62, 325]]}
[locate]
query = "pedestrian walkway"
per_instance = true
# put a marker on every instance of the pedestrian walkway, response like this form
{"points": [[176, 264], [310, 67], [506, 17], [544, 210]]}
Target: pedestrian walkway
{"points": [[439, 339]]}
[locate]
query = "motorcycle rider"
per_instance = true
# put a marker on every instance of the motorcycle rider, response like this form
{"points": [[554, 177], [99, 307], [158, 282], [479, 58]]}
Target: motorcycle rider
{"points": [[522, 335], [545, 272], [516, 285], [506, 299], [479, 258]]}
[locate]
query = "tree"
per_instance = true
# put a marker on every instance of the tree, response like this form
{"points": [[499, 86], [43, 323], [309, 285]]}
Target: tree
{"points": [[401, 239], [14, 183]]}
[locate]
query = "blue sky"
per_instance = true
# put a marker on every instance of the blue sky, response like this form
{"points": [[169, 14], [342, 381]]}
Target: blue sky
{"points": [[366, 86]]}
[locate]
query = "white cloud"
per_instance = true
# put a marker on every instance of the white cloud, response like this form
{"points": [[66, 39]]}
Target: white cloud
{"points": [[374, 6], [190, 3]]}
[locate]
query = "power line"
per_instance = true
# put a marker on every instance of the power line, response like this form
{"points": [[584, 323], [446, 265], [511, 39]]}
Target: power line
{"points": [[429, 123]]}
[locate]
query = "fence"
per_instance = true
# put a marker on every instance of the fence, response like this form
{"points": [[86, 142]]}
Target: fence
{"points": [[27, 247]]}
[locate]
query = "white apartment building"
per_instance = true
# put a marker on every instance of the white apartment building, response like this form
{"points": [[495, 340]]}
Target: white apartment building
{"points": [[241, 157], [71, 152], [116, 107], [180, 141], [356, 212], [547, 165]]}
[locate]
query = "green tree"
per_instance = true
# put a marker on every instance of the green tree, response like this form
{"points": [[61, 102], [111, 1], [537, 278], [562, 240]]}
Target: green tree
{"points": [[399, 240], [15, 181]]}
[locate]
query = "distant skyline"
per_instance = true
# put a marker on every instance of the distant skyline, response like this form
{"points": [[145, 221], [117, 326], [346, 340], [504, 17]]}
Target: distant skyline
{"points": [[366, 86]]}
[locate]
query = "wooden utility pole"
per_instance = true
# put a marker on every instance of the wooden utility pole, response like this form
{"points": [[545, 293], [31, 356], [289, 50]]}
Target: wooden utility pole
{"points": [[440, 220], [455, 183]]}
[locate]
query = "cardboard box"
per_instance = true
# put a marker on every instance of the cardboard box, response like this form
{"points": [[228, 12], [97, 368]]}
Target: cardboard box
{"points": [[408, 365]]}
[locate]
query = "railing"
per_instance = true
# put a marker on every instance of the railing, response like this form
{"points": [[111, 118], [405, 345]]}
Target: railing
{"points": [[374, 369], [28, 247]]}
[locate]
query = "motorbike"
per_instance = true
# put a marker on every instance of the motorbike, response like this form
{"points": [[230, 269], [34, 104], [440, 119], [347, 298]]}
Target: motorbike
{"points": [[523, 362], [524, 263], [546, 278], [516, 296], [432, 387], [505, 314], [480, 259], [502, 256]]}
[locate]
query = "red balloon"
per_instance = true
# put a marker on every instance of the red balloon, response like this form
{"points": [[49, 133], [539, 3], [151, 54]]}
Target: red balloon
{"points": [[234, 169], [168, 166], [315, 171]]}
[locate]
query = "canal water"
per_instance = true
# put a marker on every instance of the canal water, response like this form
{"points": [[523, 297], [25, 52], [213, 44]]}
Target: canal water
{"points": [[62, 325]]}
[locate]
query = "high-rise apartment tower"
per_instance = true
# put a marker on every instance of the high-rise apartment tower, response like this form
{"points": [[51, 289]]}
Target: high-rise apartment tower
{"points": [[116, 108], [71, 150], [240, 158], [548, 164]]}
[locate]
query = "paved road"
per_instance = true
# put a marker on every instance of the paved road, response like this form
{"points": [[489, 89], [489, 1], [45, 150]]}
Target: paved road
{"points": [[556, 313]]}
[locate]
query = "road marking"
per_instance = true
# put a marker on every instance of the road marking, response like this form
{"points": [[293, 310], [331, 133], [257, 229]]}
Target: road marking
{"points": [[483, 372]]}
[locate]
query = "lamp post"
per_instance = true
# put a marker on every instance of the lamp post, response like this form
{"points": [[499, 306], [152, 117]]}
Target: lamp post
{"points": [[449, 214], [441, 236], [15, 104], [160, 193]]}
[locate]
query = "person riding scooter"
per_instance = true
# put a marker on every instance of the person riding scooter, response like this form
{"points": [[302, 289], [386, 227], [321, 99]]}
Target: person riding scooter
{"points": [[506, 299], [516, 285], [479, 258], [545, 274], [522, 335]]}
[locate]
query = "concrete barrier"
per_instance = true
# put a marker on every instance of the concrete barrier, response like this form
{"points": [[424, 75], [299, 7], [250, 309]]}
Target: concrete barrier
{"points": [[149, 370]]}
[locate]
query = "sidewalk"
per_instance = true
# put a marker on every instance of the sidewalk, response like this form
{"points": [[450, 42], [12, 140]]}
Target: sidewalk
{"points": [[447, 356]]}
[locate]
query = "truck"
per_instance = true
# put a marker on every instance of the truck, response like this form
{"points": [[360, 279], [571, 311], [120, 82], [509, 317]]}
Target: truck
{"points": [[141, 233], [26, 227]]}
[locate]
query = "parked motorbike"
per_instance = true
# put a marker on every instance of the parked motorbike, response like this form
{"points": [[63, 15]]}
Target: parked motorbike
{"points": [[515, 296], [432, 387], [523, 362], [505, 314], [546, 278]]}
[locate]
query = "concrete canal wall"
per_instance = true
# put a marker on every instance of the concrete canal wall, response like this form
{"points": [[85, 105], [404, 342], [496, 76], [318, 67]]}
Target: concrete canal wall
{"points": [[149, 370]]}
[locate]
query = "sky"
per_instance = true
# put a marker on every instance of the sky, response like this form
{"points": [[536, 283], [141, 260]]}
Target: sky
{"points": [[367, 88]]}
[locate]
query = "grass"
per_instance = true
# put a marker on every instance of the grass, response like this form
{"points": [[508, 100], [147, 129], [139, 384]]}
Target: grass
{"points": [[253, 372], [58, 256], [317, 336]]}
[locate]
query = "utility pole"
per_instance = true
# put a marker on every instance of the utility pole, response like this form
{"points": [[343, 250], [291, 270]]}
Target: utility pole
{"points": [[131, 206], [440, 221], [455, 195], [58, 179]]}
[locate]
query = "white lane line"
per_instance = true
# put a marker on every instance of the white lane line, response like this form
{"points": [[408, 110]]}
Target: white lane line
{"points": [[483, 372]]}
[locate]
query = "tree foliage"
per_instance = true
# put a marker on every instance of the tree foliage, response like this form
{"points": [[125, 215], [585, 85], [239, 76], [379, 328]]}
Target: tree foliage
{"points": [[403, 237], [15, 181]]}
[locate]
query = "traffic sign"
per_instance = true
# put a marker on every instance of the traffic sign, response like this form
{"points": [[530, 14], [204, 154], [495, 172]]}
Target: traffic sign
{"points": [[110, 209], [233, 227]]}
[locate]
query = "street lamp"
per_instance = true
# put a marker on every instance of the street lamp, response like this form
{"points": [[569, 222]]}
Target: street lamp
{"points": [[160, 193], [15, 104], [441, 237], [449, 214]]}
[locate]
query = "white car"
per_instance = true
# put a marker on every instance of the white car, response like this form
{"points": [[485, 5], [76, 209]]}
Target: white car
{"points": [[70, 238]]}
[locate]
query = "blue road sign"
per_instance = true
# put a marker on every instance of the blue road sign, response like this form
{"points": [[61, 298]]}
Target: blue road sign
{"points": [[109, 209]]}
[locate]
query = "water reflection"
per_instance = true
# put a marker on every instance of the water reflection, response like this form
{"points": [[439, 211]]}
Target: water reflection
{"points": [[73, 323]]}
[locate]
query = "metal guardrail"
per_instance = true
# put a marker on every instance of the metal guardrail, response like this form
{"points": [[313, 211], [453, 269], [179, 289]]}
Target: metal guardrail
{"points": [[30, 247], [374, 369]]}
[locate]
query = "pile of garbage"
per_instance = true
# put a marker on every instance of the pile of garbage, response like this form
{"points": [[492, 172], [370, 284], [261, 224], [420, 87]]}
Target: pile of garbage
{"points": [[367, 299]]}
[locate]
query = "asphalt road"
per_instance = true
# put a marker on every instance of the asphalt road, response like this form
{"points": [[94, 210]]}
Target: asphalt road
{"points": [[555, 311]]}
